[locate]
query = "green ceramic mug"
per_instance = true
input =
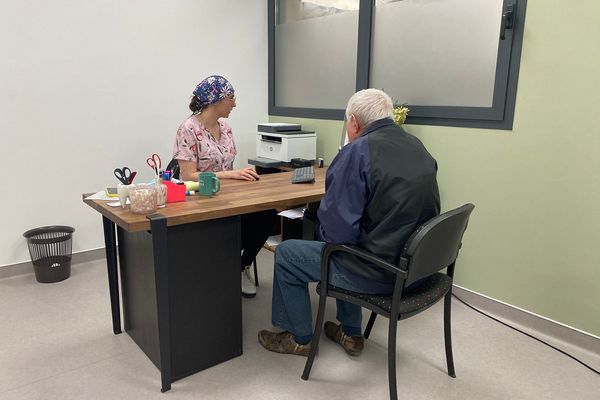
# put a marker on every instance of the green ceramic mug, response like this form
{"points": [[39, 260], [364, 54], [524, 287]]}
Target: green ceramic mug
{"points": [[208, 183]]}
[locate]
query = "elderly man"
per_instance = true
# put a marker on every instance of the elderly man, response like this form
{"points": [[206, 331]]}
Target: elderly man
{"points": [[379, 189]]}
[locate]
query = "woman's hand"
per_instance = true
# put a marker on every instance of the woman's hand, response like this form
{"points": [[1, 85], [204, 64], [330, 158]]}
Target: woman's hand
{"points": [[247, 174]]}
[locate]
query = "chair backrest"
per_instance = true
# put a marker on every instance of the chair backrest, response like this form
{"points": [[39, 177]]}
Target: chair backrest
{"points": [[435, 245], [174, 168]]}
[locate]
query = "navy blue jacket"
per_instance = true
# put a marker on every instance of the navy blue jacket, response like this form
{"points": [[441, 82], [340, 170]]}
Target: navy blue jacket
{"points": [[379, 189]]}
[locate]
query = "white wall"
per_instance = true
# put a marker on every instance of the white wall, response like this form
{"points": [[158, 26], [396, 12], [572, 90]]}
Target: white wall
{"points": [[87, 86]]}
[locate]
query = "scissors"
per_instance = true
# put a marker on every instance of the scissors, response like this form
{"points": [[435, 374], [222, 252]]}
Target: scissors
{"points": [[123, 175], [154, 162]]}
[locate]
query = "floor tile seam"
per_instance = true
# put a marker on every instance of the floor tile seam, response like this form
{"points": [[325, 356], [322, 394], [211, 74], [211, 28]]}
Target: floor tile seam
{"points": [[66, 371]]}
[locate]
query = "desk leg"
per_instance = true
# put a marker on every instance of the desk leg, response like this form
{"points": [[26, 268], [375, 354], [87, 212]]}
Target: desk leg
{"points": [[158, 225], [110, 245]]}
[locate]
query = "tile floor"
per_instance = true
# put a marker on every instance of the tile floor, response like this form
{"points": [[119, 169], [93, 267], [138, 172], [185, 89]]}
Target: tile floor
{"points": [[56, 343]]}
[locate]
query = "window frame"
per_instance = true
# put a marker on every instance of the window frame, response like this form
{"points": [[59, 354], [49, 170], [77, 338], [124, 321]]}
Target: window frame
{"points": [[499, 116]]}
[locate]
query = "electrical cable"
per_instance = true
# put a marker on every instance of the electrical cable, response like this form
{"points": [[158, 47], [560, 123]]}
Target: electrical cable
{"points": [[527, 334]]}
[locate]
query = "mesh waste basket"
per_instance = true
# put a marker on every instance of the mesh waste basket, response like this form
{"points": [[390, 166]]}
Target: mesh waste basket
{"points": [[50, 250]]}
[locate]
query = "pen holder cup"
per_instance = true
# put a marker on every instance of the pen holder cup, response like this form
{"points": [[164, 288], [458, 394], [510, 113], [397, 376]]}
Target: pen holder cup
{"points": [[143, 199], [123, 191], [175, 192]]}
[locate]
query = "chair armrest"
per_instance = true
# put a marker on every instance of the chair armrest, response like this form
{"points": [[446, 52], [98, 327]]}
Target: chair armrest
{"points": [[330, 248]]}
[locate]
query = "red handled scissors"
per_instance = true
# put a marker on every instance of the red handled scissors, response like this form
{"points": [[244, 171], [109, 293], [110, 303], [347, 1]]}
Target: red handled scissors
{"points": [[154, 162]]}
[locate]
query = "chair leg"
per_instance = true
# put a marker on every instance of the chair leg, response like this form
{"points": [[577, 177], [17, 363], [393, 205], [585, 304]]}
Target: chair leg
{"points": [[392, 358], [370, 324], [255, 273], [314, 346], [448, 333]]}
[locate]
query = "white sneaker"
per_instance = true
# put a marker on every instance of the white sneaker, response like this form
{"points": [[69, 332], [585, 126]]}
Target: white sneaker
{"points": [[248, 287]]}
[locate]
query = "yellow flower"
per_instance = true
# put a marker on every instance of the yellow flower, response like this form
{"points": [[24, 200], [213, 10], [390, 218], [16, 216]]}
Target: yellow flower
{"points": [[400, 113]]}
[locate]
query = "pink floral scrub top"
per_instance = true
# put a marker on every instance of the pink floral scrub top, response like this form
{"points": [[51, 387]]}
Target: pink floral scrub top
{"points": [[194, 142]]}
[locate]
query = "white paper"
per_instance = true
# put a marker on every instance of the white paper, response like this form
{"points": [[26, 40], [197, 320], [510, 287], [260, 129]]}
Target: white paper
{"points": [[273, 241], [117, 203], [277, 124], [294, 213], [101, 195]]}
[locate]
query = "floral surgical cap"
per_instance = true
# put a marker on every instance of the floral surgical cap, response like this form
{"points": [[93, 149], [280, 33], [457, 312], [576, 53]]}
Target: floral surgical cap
{"points": [[213, 89]]}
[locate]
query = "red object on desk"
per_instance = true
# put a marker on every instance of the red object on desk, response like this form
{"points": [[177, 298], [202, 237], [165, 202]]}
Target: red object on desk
{"points": [[133, 174], [175, 192]]}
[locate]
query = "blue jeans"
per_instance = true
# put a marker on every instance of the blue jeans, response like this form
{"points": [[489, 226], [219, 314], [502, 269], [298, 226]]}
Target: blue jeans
{"points": [[298, 262]]}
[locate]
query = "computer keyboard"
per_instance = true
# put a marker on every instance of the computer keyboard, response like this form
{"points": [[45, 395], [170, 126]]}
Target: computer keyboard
{"points": [[303, 175]]}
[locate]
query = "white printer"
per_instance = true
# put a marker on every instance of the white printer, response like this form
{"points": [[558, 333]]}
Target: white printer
{"points": [[284, 146]]}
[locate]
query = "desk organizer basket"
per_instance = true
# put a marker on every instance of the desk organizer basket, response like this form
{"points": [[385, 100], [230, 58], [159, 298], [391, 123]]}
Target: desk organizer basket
{"points": [[50, 250]]}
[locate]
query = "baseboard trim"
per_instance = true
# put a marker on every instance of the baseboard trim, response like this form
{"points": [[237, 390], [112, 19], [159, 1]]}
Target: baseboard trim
{"points": [[529, 320], [26, 267]]}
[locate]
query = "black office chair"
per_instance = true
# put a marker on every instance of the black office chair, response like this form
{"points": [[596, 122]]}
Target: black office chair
{"points": [[431, 248], [173, 166]]}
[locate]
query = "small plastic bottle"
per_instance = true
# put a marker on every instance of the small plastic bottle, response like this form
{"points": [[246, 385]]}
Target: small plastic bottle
{"points": [[161, 195]]}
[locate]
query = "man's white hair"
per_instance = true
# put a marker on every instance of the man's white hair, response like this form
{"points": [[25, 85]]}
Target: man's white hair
{"points": [[369, 105]]}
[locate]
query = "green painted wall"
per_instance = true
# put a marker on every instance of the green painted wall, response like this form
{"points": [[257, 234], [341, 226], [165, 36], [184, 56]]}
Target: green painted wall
{"points": [[534, 237]]}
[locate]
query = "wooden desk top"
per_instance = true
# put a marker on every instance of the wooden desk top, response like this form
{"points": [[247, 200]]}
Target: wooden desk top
{"points": [[236, 197]]}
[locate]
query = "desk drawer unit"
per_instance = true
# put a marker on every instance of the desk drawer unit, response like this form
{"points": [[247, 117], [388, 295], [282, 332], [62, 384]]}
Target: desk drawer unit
{"points": [[204, 302]]}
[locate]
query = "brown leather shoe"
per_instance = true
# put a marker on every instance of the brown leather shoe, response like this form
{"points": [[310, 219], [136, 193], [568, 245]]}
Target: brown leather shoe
{"points": [[282, 342], [353, 345]]}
